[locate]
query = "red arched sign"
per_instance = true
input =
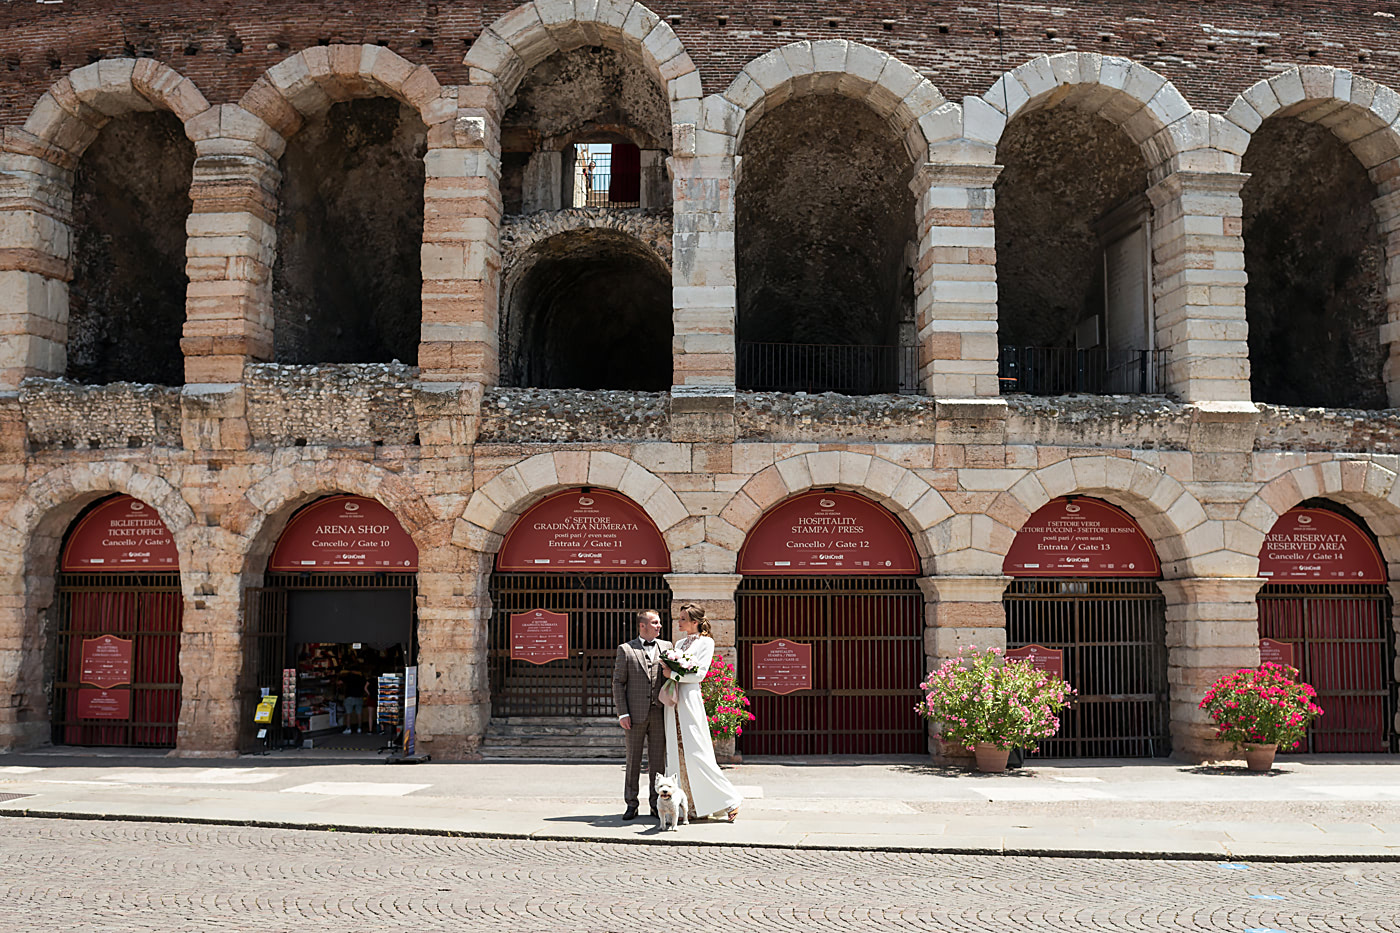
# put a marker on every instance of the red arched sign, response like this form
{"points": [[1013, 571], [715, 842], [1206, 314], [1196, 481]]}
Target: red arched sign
{"points": [[1318, 546], [1081, 537], [345, 533], [597, 530], [828, 533], [120, 535]]}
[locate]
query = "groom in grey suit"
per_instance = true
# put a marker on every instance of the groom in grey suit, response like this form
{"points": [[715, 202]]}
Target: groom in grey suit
{"points": [[637, 678]]}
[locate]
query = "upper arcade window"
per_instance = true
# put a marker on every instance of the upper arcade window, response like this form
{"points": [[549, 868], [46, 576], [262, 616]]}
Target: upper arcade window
{"points": [[824, 237], [1315, 301], [126, 301], [347, 284], [1074, 307], [606, 175]]}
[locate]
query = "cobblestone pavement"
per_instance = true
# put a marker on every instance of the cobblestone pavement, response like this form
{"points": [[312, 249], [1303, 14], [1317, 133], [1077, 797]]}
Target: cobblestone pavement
{"points": [[86, 877]]}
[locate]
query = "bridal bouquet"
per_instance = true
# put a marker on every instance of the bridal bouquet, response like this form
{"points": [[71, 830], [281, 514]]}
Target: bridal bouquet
{"points": [[680, 663]]}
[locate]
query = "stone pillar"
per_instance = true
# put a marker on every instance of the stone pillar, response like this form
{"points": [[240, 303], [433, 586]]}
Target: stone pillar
{"points": [[462, 244], [654, 180], [703, 270], [213, 706], [955, 280], [454, 702], [543, 183], [960, 612], [1387, 208], [713, 592], [1198, 285], [1212, 629], [231, 245], [36, 201]]}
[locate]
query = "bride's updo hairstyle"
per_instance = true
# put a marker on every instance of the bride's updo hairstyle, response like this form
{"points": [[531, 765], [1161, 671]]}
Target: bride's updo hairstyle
{"points": [[697, 615]]}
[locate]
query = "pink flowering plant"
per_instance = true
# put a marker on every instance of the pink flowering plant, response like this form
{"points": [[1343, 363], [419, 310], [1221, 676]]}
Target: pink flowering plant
{"points": [[982, 697], [726, 705], [1268, 706]]}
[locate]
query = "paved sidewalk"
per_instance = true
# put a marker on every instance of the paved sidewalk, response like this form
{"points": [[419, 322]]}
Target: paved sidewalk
{"points": [[1308, 807]]}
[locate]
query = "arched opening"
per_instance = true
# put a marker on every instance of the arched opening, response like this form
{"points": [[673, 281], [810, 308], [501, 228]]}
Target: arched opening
{"points": [[116, 677], [126, 301], [1327, 611], [830, 630], [1086, 586], [589, 309], [1074, 305], [569, 580], [333, 629], [347, 283], [824, 240], [1316, 298], [587, 128]]}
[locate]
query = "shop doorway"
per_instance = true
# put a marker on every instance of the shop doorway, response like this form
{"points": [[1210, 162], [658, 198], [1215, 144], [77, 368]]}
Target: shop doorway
{"points": [[1327, 611], [117, 664], [830, 630], [333, 632], [1086, 586], [589, 560]]}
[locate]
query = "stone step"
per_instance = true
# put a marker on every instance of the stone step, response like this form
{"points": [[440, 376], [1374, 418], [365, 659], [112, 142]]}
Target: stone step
{"points": [[552, 752], [537, 741], [552, 731], [553, 737]]}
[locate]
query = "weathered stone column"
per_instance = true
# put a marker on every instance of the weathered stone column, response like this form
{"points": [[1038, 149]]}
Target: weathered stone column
{"points": [[955, 280], [703, 270], [462, 244], [212, 708], [1198, 285], [960, 612], [713, 592], [1212, 629], [36, 202], [454, 704], [231, 244], [1387, 208]]}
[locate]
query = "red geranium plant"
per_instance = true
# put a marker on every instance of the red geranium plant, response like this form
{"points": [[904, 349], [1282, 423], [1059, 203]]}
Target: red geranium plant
{"points": [[1268, 706], [726, 706]]}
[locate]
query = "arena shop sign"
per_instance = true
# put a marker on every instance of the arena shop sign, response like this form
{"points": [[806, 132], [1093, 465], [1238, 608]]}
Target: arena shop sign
{"points": [[594, 530], [1081, 537], [121, 535], [1318, 546], [345, 533], [828, 533]]}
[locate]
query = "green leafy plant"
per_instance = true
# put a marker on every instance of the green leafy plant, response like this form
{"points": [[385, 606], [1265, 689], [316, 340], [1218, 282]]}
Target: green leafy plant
{"points": [[1268, 706], [726, 705], [981, 697]]}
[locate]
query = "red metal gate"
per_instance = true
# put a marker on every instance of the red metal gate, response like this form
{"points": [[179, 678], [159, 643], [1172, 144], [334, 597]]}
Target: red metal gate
{"points": [[1113, 634], [602, 610], [144, 608], [1343, 644], [866, 635]]}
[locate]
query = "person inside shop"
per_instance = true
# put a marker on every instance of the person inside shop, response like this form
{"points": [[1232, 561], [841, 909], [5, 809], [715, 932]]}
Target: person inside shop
{"points": [[354, 689]]}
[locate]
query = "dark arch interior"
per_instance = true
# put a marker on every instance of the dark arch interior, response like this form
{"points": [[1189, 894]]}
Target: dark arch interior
{"points": [[824, 218], [591, 310], [347, 283], [126, 302], [1316, 294]]}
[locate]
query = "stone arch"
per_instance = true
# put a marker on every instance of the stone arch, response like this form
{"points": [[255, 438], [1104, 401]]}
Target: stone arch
{"points": [[306, 84], [1189, 543], [1147, 106], [1367, 488], [526, 36], [919, 506], [913, 107], [519, 237], [496, 504]]}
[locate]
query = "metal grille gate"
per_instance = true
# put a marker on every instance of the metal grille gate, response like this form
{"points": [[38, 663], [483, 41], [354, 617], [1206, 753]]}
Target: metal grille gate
{"points": [[265, 636], [145, 608], [602, 610], [1113, 635], [1343, 645], [867, 660]]}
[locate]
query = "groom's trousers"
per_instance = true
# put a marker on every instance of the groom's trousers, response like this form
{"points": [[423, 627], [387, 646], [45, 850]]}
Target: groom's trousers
{"points": [[653, 734]]}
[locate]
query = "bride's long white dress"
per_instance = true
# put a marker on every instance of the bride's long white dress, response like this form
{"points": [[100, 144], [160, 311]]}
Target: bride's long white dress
{"points": [[710, 790]]}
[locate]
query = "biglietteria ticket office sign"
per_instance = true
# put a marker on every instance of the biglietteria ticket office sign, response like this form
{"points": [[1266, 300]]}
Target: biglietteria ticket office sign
{"points": [[121, 534]]}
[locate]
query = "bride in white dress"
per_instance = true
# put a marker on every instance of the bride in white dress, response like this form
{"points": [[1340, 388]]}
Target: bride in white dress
{"points": [[710, 791]]}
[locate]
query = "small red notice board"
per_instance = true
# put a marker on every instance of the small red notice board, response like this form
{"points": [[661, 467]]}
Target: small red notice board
{"points": [[782, 666], [539, 636], [106, 661], [1049, 660], [1272, 651], [104, 704]]}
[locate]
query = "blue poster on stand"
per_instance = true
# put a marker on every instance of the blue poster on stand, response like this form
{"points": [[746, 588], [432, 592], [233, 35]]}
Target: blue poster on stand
{"points": [[410, 708]]}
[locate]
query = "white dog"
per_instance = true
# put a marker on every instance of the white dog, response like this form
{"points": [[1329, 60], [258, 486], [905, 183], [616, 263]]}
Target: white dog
{"points": [[672, 805]]}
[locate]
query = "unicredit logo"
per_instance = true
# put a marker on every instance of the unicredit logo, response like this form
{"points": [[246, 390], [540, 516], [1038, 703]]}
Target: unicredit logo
{"points": [[584, 500], [827, 503]]}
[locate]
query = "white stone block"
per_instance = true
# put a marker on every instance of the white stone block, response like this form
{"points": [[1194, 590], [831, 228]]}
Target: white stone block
{"points": [[982, 121]]}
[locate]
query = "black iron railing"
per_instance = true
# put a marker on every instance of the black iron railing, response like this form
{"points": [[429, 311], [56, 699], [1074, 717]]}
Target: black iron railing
{"points": [[1060, 370], [810, 367]]}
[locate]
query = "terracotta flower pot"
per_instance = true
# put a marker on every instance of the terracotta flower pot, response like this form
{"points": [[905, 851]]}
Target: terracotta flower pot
{"points": [[991, 759], [1260, 757]]}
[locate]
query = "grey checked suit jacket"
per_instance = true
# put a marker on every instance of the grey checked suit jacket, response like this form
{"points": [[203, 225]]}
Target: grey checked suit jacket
{"points": [[635, 686]]}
